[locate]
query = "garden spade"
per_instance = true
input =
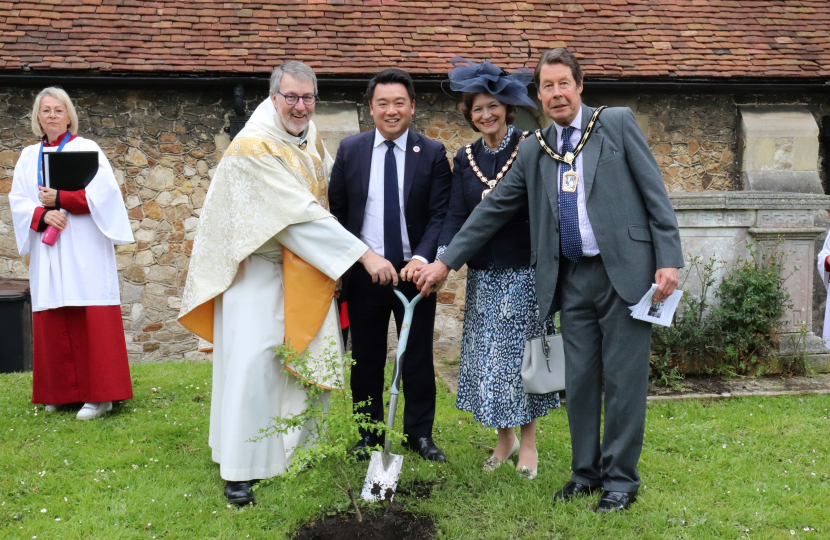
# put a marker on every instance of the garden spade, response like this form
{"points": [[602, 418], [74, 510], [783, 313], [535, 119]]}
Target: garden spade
{"points": [[385, 467]]}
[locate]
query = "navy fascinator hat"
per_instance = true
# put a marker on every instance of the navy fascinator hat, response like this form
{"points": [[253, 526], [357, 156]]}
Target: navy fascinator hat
{"points": [[485, 77]]}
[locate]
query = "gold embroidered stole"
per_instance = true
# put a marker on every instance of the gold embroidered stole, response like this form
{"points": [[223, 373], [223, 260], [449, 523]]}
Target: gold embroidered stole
{"points": [[314, 181], [308, 291]]}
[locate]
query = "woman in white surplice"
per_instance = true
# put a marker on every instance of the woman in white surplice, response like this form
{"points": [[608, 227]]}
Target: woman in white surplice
{"points": [[79, 353], [268, 199]]}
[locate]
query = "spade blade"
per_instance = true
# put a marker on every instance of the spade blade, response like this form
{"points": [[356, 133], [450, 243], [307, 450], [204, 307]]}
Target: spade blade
{"points": [[382, 477]]}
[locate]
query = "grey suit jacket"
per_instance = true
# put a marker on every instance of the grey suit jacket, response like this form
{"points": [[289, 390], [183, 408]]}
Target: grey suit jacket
{"points": [[627, 204]]}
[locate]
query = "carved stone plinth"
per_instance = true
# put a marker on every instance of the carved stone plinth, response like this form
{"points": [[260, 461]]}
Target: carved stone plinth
{"points": [[778, 148], [721, 224]]}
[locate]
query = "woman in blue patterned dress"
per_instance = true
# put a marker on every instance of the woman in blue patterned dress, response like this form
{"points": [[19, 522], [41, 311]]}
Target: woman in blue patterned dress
{"points": [[501, 311]]}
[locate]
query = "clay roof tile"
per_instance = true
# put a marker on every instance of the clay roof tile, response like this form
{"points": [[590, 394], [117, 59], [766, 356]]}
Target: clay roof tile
{"points": [[627, 38]]}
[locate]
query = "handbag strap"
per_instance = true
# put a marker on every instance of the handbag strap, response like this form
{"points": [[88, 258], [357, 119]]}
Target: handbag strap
{"points": [[543, 333]]}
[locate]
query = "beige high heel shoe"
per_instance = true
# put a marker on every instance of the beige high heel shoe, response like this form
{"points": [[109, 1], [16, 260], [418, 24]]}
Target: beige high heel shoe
{"points": [[528, 473], [491, 463]]}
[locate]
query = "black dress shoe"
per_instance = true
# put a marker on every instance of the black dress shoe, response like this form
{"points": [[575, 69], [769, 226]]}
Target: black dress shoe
{"points": [[426, 449], [614, 501], [239, 493], [574, 489], [361, 451]]}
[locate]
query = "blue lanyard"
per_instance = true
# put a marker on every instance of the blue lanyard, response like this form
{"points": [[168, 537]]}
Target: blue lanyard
{"points": [[40, 157]]}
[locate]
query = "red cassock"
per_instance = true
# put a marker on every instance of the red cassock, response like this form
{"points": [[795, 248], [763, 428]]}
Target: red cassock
{"points": [[80, 354]]}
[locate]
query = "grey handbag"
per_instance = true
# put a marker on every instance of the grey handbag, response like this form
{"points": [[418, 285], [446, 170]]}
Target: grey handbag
{"points": [[543, 365]]}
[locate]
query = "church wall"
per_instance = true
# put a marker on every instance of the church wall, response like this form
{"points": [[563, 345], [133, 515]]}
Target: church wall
{"points": [[165, 145]]}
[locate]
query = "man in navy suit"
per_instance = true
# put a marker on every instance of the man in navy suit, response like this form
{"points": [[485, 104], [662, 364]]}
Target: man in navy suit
{"points": [[390, 187]]}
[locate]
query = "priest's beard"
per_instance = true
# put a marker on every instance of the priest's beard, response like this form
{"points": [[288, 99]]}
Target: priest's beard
{"points": [[293, 124]]}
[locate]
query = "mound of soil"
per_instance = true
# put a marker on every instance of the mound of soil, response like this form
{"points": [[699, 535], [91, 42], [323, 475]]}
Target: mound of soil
{"points": [[395, 524]]}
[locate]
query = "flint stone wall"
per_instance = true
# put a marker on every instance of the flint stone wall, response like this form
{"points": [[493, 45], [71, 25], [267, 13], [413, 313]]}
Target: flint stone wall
{"points": [[165, 145]]}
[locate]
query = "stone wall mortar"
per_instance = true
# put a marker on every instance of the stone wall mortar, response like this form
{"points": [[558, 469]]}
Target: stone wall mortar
{"points": [[693, 139]]}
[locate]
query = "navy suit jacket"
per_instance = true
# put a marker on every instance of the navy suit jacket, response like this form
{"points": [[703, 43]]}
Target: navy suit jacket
{"points": [[427, 182]]}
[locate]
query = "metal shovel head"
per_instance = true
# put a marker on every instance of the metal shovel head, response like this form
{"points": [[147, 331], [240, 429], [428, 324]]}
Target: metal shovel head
{"points": [[382, 478]]}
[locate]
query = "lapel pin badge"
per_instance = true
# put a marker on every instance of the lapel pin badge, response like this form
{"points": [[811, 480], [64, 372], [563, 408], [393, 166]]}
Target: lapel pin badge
{"points": [[416, 149]]}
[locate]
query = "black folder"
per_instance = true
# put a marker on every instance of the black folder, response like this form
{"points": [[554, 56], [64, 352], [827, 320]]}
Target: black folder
{"points": [[69, 171]]}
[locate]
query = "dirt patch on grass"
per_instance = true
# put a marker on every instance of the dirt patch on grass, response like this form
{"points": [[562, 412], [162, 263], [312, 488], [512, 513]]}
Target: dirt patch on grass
{"points": [[691, 385], [773, 385], [395, 524], [417, 489]]}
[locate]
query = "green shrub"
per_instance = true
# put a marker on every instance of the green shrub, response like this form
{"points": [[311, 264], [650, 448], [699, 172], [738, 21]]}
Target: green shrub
{"points": [[736, 335], [330, 419]]}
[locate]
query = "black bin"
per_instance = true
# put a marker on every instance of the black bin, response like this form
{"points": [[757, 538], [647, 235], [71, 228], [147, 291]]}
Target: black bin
{"points": [[15, 325]]}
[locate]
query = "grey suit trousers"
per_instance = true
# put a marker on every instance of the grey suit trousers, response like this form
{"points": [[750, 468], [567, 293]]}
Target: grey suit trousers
{"points": [[601, 338]]}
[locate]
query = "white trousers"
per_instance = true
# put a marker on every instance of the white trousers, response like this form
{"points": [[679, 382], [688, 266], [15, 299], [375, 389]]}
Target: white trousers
{"points": [[250, 385]]}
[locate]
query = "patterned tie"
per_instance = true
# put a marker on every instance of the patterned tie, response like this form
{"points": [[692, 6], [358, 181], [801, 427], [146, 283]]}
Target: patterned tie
{"points": [[570, 240], [392, 243]]}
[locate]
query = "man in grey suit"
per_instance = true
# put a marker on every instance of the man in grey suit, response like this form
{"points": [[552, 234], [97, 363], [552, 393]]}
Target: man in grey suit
{"points": [[618, 234]]}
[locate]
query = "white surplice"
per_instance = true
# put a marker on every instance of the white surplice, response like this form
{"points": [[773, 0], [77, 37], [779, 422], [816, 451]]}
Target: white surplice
{"points": [[250, 385], [822, 256], [80, 269], [270, 190]]}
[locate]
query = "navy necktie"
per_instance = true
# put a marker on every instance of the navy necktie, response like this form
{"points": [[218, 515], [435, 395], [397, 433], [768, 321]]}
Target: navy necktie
{"points": [[392, 243], [570, 240]]}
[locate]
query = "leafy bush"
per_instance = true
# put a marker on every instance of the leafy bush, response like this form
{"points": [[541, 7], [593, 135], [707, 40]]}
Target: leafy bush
{"points": [[737, 334], [330, 419]]}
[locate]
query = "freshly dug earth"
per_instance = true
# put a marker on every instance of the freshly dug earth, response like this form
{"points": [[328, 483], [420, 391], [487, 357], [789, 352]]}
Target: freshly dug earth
{"points": [[395, 524]]}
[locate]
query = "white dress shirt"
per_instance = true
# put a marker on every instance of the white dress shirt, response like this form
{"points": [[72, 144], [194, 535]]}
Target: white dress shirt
{"points": [[372, 232], [589, 241]]}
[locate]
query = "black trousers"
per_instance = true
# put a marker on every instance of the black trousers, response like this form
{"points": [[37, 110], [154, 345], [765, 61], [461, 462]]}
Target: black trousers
{"points": [[370, 306]]}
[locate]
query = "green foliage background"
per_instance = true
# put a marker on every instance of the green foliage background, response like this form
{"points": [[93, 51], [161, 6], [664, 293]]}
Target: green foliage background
{"points": [[738, 333]]}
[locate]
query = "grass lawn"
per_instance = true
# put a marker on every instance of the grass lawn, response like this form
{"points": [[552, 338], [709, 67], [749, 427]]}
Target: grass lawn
{"points": [[754, 468]]}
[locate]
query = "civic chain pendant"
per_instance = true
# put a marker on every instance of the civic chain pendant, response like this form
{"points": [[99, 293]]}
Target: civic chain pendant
{"points": [[491, 184], [570, 179]]}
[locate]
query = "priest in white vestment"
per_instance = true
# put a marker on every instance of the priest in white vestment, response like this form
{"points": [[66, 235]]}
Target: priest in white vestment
{"points": [[262, 272]]}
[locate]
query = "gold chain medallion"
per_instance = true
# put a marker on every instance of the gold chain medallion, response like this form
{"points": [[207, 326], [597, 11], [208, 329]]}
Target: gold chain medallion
{"points": [[570, 156], [570, 179], [491, 184]]}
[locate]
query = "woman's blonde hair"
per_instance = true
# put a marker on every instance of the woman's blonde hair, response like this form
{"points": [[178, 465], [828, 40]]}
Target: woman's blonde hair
{"points": [[63, 97]]}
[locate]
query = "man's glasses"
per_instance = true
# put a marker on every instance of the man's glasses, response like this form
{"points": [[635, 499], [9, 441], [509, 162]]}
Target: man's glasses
{"points": [[292, 99]]}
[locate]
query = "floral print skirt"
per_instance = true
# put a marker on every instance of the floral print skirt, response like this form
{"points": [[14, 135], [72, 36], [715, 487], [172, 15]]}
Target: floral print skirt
{"points": [[501, 312]]}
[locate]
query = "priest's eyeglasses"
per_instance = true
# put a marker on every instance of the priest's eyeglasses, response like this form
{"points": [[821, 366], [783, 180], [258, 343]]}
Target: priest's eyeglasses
{"points": [[292, 99]]}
